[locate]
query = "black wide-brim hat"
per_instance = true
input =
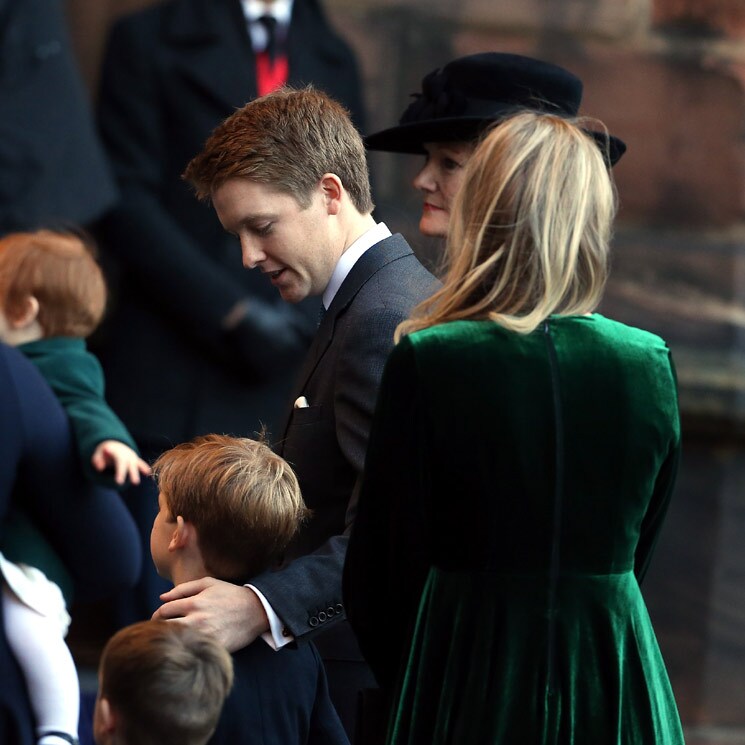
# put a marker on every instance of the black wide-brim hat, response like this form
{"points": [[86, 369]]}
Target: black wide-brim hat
{"points": [[469, 94]]}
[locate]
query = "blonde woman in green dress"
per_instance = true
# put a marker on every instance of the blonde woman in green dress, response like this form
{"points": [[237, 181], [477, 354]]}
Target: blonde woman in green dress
{"points": [[520, 464]]}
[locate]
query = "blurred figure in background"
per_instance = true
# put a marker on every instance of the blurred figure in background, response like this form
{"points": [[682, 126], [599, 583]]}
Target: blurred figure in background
{"points": [[52, 296], [88, 528], [52, 167], [196, 344]]}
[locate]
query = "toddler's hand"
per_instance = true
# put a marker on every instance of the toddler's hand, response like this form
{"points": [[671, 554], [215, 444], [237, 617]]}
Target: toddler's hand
{"points": [[126, 463]]}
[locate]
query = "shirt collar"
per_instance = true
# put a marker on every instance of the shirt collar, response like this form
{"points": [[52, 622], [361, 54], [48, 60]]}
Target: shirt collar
{"points": [[350, 257], [280, 9]]}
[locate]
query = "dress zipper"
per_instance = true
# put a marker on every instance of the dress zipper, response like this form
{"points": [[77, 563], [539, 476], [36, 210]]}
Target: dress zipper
{"points": [[555, 559]]}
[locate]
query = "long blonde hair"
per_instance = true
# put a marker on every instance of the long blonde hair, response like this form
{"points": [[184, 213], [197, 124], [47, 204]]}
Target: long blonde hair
{"points": [[530, 228]]}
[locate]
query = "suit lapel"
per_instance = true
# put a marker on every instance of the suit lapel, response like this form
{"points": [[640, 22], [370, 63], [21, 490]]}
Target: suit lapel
{"points": [[212, 49], [367, 266]]}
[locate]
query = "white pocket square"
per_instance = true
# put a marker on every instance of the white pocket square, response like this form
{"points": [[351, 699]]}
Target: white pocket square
{"points": [[301, 403]]}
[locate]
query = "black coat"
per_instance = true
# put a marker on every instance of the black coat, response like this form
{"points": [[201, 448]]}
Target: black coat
{"points": [[172, 73], [88, 527], [278, 699], [53, 170]]}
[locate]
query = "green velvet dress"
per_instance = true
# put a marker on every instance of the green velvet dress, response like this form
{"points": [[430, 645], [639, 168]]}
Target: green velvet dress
{"points": [[514, 489]]}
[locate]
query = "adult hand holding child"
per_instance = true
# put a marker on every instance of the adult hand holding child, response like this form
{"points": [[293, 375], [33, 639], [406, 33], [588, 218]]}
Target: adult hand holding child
{"points": [[230, 613]]}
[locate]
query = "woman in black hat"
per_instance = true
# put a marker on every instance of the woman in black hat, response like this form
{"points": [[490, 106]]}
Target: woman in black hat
{"points": [[458, 103], [520, 464]]}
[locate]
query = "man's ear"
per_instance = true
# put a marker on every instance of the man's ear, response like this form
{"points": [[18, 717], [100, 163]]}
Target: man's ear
{"points": [[184, 535], [28, 314], [333, 190]]}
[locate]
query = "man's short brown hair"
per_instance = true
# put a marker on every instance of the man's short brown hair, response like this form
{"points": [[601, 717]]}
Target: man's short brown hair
{"points": [[166, 682], [243, 499], [59, 269], [287, 140]]}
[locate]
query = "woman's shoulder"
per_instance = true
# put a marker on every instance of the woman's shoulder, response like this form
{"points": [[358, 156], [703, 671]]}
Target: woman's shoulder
{"points": [[455, 333], [624, 333], [593, 331], [467, 331]]}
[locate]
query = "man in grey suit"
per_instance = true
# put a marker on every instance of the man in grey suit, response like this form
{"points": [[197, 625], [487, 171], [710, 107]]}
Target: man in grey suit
{"points": [[288, 175]]}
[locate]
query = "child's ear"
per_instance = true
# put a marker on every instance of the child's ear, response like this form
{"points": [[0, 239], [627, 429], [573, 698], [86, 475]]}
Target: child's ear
{"points": [[183, 536], [106, 715], [28, 315]]}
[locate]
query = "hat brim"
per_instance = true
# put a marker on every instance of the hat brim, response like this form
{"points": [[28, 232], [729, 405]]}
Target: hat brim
{"points": [[410, 138]]}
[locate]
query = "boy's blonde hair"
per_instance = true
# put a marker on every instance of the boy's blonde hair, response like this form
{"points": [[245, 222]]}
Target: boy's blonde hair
{"points": [[243, 499], [58, 269], [530, 228], [286, 140], [166, 682]]}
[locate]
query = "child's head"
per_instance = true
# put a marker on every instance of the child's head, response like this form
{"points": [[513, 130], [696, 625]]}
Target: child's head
{"points": [[52, 278], [160, 683], [242, 499]]}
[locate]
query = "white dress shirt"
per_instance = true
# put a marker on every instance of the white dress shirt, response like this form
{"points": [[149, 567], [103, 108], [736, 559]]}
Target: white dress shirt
{"points": [[349, 258], [281, 10]]}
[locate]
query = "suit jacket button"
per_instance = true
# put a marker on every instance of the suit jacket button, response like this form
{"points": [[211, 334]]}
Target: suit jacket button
{"points": [[339, 608], [330, 611], [322, 616], [313, 621]]}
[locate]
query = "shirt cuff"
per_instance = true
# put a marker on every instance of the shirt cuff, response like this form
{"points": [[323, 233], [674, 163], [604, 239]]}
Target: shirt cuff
{"points": [[278, 636]]}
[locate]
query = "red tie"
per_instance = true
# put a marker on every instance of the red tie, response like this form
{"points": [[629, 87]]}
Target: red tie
{"points": [[271, 64]]}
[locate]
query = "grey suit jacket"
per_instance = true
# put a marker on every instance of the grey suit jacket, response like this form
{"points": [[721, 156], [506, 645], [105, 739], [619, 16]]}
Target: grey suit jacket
{"points": [[326, 441]]}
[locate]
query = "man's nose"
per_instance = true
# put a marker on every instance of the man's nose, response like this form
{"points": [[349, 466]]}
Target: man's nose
{"points": [[251, 252]]}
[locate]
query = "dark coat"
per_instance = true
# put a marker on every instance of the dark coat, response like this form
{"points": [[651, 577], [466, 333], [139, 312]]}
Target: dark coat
{"points": [[172, 73], [52, 168], [326, 441], [279, 698], [87, 526]]}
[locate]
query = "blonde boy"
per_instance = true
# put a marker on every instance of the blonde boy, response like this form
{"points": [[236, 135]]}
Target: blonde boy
{"points": [[228, 507]]}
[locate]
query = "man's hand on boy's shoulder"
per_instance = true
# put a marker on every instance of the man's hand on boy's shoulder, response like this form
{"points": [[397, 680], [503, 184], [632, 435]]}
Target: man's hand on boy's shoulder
{"points": [[232, 614]]}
